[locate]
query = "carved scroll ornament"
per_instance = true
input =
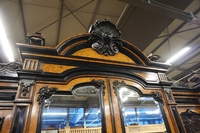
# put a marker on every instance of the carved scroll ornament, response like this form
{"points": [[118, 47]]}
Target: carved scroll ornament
{"points": [[45, 93], [106, 38], [12, 66]]}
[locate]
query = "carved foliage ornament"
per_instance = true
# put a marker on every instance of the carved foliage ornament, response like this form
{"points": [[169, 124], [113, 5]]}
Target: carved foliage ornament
{"points": [[45, 93], [25, 86], [106, 38]]}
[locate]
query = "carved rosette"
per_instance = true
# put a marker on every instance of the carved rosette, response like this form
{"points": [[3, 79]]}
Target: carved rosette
{"points": [[45, 93], [106, 38], [157, 97], [25, 86]]}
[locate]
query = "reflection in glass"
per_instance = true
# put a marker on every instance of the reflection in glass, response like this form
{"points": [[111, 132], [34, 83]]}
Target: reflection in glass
{"points": [[70, 112], [140, 114]]}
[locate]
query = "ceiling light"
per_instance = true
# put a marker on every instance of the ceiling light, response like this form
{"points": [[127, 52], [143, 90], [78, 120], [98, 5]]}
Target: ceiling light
{"points": [[178, 55], [5, 43]]}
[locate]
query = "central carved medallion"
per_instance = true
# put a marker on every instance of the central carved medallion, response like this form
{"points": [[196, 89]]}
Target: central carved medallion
{"points": [[106, 38]]}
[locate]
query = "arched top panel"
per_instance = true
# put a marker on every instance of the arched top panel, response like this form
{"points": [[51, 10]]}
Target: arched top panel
{"points": [[102, 42]]}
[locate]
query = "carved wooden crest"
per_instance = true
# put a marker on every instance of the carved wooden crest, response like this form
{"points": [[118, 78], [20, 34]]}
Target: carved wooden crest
{"points": [[106, 38]]}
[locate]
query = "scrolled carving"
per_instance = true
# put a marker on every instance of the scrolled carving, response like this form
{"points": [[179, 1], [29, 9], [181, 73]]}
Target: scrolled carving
{"points": [[12, 66], [191, 121], [100, 83], [106, 38], [25, 86], [157, 96], [45, 93]]}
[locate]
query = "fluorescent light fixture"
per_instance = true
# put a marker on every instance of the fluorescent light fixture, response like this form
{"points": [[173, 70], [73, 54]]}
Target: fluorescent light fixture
{"points": [[5, 43], [54, 113], [178, 55]]}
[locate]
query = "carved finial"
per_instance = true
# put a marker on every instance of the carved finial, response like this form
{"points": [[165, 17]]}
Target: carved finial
{"points": [[106, 38]]}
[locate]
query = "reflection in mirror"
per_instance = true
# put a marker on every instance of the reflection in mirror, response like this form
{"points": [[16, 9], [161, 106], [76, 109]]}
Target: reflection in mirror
{"points": [[71, 114], [140, 114]]}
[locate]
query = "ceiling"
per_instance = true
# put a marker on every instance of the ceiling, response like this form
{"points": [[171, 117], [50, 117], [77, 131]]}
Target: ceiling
{"points": [[161, 28]]}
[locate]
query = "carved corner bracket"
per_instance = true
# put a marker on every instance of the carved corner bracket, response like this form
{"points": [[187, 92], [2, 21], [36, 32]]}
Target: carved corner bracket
{"points": [[157, 97], [106, 38], [45, 93], [25, 86], [117, 85]]}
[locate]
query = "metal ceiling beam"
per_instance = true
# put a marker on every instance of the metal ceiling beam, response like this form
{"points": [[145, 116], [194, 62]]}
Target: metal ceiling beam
{"points": [[74, 15], [60, 21], [174, 32], [165, 10], [182, 31], [95, 12], [23, 20], [191, 69], [65, 15]]}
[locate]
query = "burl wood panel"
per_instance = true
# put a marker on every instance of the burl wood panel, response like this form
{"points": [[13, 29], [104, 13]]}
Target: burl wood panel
{"points": [[8, 114], [116, 110], [107, 111], [89, 52], [52, 68]]}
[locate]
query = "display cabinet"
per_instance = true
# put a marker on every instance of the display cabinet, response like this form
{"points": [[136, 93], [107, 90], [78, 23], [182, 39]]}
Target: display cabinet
{"points": [[92, 83]]}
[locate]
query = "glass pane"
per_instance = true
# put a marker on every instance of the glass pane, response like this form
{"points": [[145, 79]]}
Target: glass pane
{"points": [[76, 117], [93, 118], [54, 118], [141, 114], [63, 113]]}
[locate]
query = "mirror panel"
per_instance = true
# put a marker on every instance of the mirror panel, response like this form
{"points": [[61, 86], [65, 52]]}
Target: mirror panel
{"points": [[67, 112], [140, 114]]}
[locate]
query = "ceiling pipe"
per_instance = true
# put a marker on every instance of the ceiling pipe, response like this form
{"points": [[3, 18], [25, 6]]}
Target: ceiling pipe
{"points": [[60, 20], [95, 12], [122, 14], [23, 19], [174, 32]]}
